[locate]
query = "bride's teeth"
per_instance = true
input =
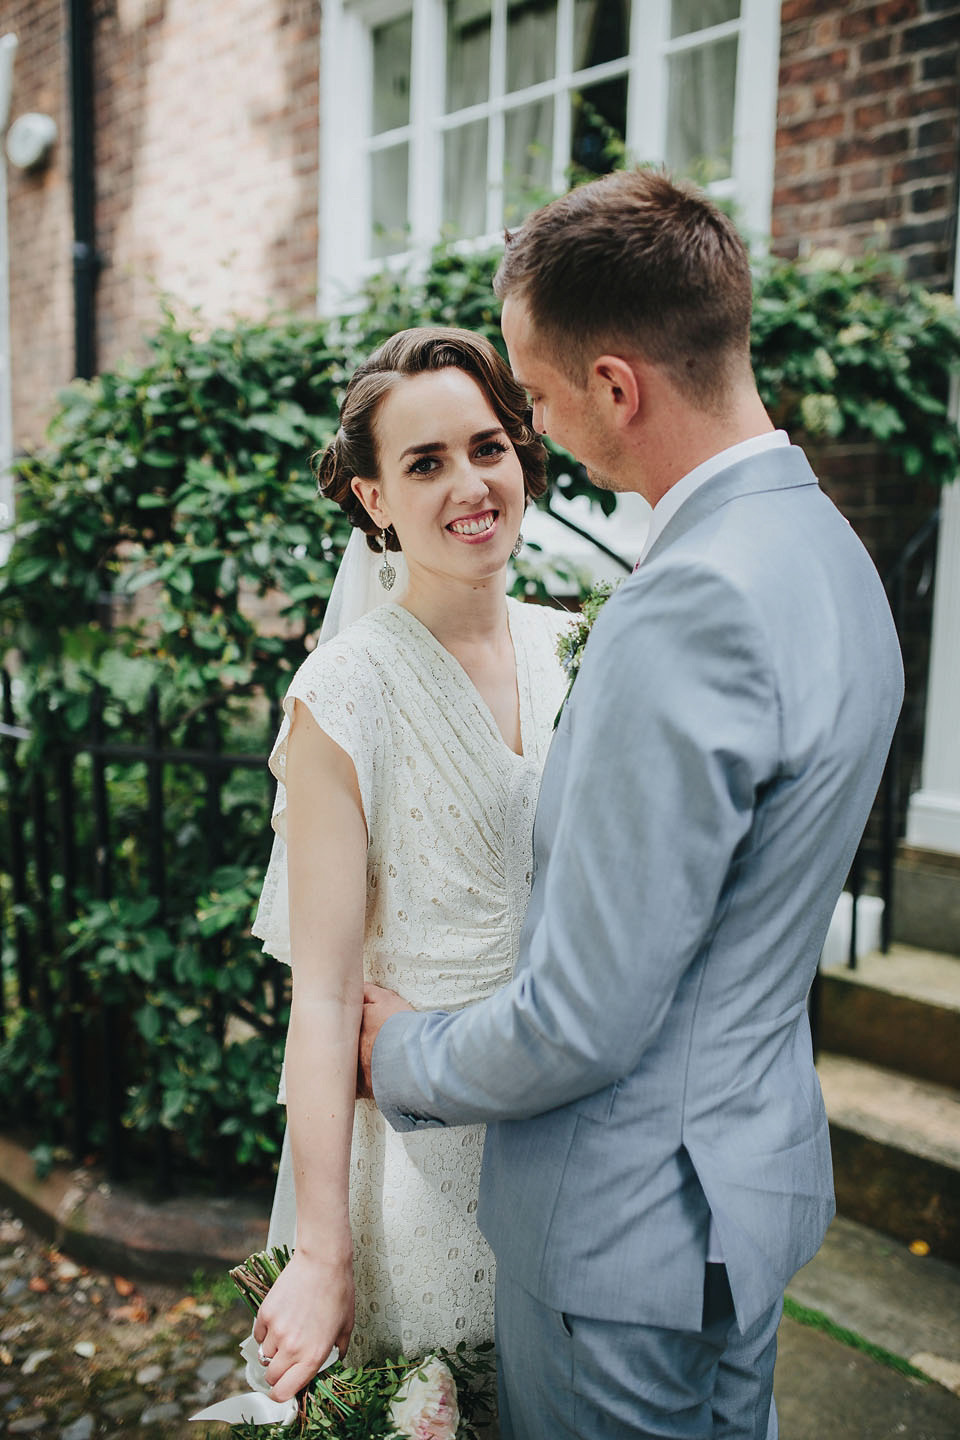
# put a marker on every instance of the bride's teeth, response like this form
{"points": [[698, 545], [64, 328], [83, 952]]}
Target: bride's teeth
{"points": [[472, 527]]}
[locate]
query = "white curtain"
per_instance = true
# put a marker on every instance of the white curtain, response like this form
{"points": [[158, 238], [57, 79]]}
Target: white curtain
{"points": [[700, 110]]}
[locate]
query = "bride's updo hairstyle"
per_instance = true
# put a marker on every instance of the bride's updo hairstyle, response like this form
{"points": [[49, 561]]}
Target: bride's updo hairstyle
{"points": [[354, 452]]}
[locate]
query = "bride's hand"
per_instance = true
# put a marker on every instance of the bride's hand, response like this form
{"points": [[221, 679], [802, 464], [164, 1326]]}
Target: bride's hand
{"points": [[309, 1309]]}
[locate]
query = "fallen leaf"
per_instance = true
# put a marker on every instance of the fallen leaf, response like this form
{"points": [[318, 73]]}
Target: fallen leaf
{"points": [[38, 1285], [122, 1286], [95, 1297], [5, 1357], [186, 1306], [919, 1247], [137, 1312], [85, 1349]]}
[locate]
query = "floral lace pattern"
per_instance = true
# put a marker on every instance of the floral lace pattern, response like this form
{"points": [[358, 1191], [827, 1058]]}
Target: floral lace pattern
{"points": [[450, 811]]}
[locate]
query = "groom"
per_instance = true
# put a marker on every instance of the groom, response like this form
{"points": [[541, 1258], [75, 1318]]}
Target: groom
{"points": [[657, 1163]]}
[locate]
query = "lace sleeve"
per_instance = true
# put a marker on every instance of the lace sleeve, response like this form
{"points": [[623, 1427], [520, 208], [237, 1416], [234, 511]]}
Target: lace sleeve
{"points": [[339, 687]]}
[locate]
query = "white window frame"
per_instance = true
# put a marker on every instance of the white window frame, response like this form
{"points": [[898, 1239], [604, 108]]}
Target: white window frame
{"points": [[346, 72]]}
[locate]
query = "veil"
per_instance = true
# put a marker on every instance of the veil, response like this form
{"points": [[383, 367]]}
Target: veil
{"points": [[357, 589]]}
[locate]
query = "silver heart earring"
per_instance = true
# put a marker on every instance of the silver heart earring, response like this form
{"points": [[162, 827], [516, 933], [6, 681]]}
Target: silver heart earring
{"points": [[386, 574]]}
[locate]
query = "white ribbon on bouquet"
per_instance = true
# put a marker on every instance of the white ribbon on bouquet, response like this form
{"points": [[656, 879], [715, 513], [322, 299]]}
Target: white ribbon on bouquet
{"points": [[257, 1407]]}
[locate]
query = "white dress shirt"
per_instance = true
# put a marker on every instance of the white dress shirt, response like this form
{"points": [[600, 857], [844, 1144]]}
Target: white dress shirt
{"points": [[668, 505]]}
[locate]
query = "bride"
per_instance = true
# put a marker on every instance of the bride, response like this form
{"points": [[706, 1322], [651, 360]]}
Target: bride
{"points": [[408, 767]]}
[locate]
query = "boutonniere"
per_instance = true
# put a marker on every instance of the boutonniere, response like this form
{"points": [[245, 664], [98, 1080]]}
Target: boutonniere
{"points": [[571, 643]]}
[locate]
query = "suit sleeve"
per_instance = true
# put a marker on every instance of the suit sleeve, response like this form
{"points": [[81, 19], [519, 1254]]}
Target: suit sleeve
{"points": [[672, 729]]}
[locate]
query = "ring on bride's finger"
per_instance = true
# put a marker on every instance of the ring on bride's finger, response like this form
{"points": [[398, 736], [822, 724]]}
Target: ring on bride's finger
{"points": [[261, 1357]]}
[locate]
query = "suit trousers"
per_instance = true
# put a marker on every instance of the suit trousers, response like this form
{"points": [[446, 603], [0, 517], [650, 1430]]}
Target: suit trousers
{"points": [[566, 1377]]}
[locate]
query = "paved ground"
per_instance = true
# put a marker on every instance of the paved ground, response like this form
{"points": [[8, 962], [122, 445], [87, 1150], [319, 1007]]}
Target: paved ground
{"points": [[85, 1354], [89, 1355], [826, 1391]]}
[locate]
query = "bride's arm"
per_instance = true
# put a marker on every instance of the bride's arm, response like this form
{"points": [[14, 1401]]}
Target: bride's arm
{"points": [[310, 1308]]}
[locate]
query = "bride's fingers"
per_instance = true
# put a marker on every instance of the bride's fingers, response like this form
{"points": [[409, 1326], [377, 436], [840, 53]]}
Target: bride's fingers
{"points": [[291, 1379]]}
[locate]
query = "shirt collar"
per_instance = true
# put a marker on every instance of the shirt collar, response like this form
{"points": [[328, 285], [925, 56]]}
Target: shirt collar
{"points": [[668, 505]]}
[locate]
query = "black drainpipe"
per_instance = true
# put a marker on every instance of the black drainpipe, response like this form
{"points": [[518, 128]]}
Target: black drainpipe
{"points": [[86, 262]]}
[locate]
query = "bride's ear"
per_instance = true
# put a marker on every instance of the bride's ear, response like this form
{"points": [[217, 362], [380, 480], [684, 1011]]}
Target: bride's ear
{"points": [[369, 494]]}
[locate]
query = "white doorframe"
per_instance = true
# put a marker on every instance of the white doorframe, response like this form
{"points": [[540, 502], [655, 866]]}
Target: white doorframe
{"points": [[8, 49], [933, 816]]}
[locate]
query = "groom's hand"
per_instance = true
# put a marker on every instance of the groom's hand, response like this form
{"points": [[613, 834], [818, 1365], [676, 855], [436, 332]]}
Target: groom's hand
{"points": [[378, 1006]]}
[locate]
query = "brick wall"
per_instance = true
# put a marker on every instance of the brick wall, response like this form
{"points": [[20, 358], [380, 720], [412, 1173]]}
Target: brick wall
{"points": [[868, 129], [207, 155], [207, 139], [41, 302], [868, 137]]}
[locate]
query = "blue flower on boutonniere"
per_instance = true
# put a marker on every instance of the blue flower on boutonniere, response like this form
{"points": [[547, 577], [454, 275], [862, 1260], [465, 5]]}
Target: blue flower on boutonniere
{"points": [[571, 643]]}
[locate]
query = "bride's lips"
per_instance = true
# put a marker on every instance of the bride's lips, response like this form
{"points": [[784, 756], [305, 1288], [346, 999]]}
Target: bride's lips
{"points": [[485, 519]]}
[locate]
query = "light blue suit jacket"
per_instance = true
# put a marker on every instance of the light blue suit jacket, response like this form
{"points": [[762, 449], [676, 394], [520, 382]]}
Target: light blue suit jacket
{"points": [[701, 804]]}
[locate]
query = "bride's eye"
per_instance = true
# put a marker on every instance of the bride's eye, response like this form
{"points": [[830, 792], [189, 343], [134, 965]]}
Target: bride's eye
{"points": [[425, 465], [490, 449]]}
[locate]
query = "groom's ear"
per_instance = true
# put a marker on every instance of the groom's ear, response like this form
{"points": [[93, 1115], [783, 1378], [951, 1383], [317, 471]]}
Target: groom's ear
{"points": [[369, 494], [618, 388]]}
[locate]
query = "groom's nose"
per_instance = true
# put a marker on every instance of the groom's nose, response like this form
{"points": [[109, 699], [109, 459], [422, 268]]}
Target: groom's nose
{"points": [[539, 421]]}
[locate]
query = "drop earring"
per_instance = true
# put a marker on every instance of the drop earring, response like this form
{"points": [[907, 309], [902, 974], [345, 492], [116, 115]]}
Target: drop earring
{"points": [[386, 574], [517, 546]]}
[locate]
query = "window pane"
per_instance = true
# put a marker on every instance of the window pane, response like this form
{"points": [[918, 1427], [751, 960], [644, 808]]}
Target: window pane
{"points": [[601, 31], [700, 110], [468, 53], [689, 15], [388, 200], [391, 74], [465, 179], [528, 146], [531, 42], [599, 125]]}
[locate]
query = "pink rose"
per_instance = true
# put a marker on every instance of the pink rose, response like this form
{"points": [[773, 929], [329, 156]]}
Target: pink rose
{"points": [[425, 1407]]}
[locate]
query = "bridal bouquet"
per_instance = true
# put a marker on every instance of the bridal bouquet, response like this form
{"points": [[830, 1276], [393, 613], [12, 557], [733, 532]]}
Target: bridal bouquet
{"points": [[442, 1396]]}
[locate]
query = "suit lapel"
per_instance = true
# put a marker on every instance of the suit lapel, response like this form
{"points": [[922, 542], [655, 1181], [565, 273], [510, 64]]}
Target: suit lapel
{"points": [[782, 469]]}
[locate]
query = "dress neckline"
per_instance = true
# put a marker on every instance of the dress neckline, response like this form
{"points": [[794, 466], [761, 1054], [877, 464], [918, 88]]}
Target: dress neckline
{"points": [[467, 685]]}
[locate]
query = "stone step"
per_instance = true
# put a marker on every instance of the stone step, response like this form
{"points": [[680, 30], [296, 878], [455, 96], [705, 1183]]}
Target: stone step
{"points": [[900, 1010], [896, 1151], [907, 1304], [926, 895]]}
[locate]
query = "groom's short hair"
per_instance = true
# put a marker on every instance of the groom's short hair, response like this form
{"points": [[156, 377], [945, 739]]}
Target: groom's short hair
{"points": [[637, 263]]}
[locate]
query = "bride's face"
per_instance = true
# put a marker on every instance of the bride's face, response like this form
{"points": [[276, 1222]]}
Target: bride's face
{"points": [[450, 482]]}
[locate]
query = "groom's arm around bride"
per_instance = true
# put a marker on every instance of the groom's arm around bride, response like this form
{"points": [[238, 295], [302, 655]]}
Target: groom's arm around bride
{"points": [[657, 1162]]}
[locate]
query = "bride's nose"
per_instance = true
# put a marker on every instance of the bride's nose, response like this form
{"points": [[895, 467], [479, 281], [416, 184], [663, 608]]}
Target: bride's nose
{"points": [[470, 484]]}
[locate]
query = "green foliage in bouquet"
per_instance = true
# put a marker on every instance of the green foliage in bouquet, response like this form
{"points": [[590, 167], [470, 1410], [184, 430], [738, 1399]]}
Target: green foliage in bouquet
{"points": [[347, 1402]]}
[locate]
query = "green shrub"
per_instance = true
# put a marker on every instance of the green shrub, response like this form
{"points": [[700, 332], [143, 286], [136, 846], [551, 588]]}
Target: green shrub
{"points": [[171, 501]]}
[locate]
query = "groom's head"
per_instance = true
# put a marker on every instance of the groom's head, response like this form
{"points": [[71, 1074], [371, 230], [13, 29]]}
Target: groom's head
{"points": [[639, 262], [632, 266]]}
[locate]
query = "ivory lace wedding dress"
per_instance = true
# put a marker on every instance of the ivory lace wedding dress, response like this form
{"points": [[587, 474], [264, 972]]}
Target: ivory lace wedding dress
{"points": [[449, 810]]}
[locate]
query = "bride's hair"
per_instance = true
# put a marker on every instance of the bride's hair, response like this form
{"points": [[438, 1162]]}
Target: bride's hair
{"points": [[353, 451]]}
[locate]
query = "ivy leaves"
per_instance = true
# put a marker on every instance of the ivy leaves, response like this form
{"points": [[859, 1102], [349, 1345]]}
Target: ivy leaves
{"points": [[843, 346]]}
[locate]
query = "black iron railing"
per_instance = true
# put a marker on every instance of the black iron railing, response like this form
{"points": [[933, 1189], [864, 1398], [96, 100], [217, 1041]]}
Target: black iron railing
{"points": [[908, 577], [42, 843], [913, 568]]}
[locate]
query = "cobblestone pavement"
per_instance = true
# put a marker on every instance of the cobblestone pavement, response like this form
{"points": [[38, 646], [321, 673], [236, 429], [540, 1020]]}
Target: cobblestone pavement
{"points": [[91, 1356]]}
